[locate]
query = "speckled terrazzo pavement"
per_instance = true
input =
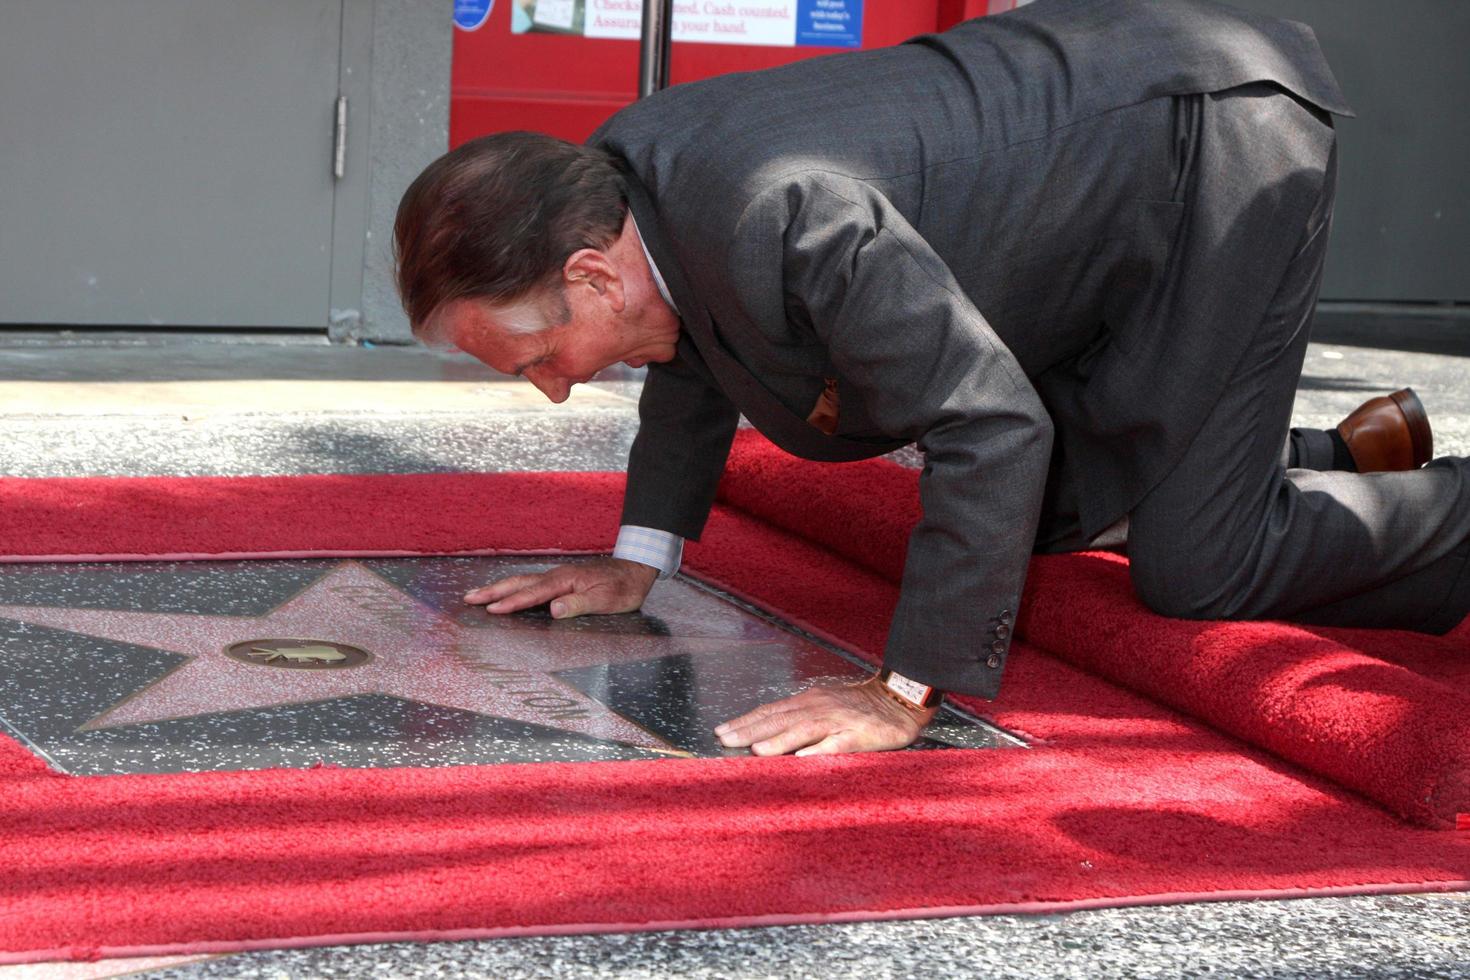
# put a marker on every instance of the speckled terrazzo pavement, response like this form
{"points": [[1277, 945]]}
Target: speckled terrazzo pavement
{"points": [[1395, 936], [280, 446], [1406, 936], [420, 437]]}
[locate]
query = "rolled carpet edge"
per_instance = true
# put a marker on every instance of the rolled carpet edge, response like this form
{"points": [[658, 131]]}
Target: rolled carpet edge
{"points": [[1398, 737]]}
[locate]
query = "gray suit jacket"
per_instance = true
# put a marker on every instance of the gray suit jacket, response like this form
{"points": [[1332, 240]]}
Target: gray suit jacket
{"points": [[903, 221]]}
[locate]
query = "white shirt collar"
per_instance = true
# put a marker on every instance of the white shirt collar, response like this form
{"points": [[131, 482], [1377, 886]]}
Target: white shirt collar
{"points": [[658, 280]]}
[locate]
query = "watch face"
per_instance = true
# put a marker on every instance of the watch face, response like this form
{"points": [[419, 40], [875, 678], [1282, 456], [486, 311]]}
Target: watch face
{"points": [[909, 690]]}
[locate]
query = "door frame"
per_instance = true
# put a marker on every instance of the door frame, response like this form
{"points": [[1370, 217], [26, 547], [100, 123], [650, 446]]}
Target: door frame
{"points": [[350, 197]]}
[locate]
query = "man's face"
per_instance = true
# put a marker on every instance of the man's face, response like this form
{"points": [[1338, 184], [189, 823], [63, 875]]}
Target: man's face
{"points": [[594, 337]]}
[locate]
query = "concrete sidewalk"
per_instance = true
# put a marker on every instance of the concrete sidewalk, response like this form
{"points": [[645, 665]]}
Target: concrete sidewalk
{"points": [[190, 404]]}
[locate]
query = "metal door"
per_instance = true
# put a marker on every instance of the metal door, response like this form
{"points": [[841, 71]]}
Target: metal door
{"points": [[167, 162]]}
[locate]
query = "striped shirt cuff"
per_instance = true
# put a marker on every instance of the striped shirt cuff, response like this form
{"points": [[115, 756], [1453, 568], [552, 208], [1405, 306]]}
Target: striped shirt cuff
{"points": [[650, 546]]}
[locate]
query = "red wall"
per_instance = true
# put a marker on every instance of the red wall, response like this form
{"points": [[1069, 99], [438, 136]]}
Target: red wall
{"points": [[567, 86]]}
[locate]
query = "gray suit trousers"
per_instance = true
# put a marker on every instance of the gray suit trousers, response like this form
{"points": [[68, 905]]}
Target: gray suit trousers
{"points": [[1231, 533]]}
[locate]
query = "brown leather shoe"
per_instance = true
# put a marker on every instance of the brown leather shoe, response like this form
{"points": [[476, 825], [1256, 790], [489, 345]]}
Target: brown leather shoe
{"points": [[1388, 433]]}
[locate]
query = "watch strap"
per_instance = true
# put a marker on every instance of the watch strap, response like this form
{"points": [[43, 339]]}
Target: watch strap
{"points": [[908, 691]]}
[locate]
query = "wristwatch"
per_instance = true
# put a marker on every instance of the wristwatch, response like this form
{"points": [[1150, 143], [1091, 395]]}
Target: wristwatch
{"points": [[909, 692]]}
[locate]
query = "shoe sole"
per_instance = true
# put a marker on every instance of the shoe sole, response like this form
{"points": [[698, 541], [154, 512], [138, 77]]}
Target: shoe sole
{"points": [[1421, 438]]}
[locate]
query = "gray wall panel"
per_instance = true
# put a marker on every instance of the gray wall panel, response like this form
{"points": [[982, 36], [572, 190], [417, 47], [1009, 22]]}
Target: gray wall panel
{"points": [[1402, 228]]}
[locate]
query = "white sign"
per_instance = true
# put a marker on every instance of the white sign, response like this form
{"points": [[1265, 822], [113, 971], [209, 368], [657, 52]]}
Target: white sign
{"points": [[761, 22], [556, 13], [764, 23]]}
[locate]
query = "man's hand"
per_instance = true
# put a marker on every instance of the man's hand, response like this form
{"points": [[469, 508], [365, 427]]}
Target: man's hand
{"points": [[607, 585], [828, 720]]}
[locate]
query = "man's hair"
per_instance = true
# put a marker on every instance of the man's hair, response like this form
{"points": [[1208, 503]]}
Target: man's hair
{"points": [[497, 217]]}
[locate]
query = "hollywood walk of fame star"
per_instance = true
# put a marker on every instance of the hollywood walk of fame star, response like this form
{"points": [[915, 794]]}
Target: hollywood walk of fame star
{"points": [[417, 653]]}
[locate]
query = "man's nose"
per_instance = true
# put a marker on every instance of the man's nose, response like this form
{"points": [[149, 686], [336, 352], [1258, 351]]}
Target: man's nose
{"points": [[554, 388]]}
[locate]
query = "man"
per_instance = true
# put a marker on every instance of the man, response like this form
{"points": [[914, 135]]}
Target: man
{"points": [[1070, 251]]}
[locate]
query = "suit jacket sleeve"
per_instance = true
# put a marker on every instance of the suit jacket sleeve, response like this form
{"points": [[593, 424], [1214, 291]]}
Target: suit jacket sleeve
{"points": [[685, 427], [928, 367]]}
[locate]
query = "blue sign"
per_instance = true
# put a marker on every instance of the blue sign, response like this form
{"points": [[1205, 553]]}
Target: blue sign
{"points": [[469, 15], [829, 23]]}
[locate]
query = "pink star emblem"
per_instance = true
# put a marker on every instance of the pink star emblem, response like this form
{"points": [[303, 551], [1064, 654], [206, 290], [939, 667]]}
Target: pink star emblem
{"points": [[417, 653]]}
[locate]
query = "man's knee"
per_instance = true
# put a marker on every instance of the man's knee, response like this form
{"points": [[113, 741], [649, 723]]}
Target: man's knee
{"points": [[1177, 578], [1164, 592]]}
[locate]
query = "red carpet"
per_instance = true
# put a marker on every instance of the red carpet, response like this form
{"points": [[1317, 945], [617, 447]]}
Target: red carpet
{"points": [[1122, 800]]}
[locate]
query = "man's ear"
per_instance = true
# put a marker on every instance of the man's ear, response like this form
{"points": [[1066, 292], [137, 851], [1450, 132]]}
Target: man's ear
{"points": [[592, 267]]}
